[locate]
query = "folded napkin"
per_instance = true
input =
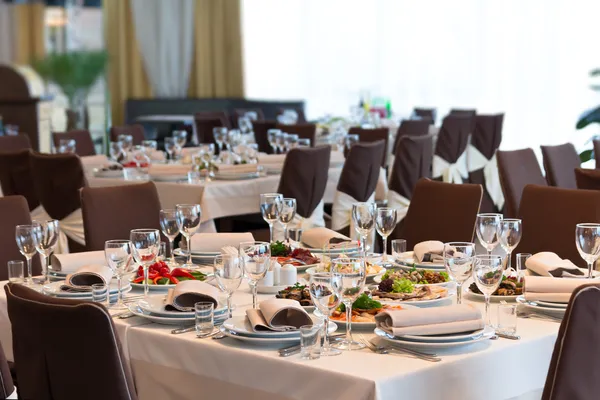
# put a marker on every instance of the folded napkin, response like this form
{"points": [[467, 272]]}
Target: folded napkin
{"points": [[430, 321], [237, 169], [271, 159], [68, 263], [320, 237], [85, 277], [168, 169], [429, 251], [550, 264], [99, 159], [188, 293], [278, 315], [157, 155], [214, 242], [545, 288]]}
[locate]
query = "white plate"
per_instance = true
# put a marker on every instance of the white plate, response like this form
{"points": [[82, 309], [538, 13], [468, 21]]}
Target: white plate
{"points": [[493, 298], [98, 173], [553, 311], [313, 270], [432, 346], [552, 304], [268, 340], [271, 289], [422, 303], [378, 279], [351, 248], [155, 304], [234, 176], [361, 325], [53, 289], [135, 310], [454, 337]]}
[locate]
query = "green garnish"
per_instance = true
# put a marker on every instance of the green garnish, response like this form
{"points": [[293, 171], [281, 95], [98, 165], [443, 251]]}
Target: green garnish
{"points": [[386, 275], [402, 286], [445, 275], [279, 249], [364, 302]]}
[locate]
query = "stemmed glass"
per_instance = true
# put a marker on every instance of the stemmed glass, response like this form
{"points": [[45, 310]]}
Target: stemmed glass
{"points": [[145, 244], [291, 141], [67, 146], [270, 207], [348, 279], [228, 273], [245, 125], [587, 238], [272, 138], [126, 142], [256, 259], [326, 300], [220, 135], [288, 212], [509, 234], [458, 260], [169, 228], [116, 151], [46, 236], [26, 240], [170, 145], [118, 254], [487, 230], [180, 138], [207, 153], [233, 139], [149, 146], [281, 142], [487, 274], [385, 223], [350, 140], [363, 215], [188, 221]]}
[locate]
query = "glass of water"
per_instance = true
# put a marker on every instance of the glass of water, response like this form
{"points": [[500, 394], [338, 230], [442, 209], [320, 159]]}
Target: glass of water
{"points": [[204, 318], [458, 260], [487, 274], [16, 271], [310, 342], [521, 259], [507, 318], [398, 249]]}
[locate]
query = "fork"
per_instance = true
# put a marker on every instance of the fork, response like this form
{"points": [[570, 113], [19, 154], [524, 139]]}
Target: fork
{"points": [[418, 354], [370, 346]]}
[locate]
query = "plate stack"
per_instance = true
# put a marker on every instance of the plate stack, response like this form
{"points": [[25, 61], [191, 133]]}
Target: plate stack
{"points": [[437, 342], [543, 307], [200, 258], [153, 309], [54, 289]]}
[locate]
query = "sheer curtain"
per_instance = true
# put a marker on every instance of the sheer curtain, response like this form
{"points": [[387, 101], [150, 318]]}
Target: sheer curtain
{"points": [[529, 59]]}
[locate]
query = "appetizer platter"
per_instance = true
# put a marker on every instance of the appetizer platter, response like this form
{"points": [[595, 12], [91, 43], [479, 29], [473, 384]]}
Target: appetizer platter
{"points": [[161, 277], [364, 310], [509, 289], [402, 290], [372, 269], [416, 276], [300, 258], [297, 292]]}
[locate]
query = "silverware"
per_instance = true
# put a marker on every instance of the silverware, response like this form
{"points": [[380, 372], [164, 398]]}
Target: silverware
{"points": [[418, 354], [183, 330], [219, 336], [208, 335], [507, 336], [126, 315], [297, 346], [539, 316], [373, 348]]}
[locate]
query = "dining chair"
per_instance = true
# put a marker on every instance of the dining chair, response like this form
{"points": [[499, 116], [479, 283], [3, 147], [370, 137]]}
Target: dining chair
{"points": [[66, 349], [596, 144], [470, 112], [15, 177], [84, 145], [450, 154], [587, 178], [367, 135], [136, 131], [261, 128], [560, 163], [304, 131], [207, 120], [7, 387], [517, 168], [11, 144], [411, 127], [299, 111], [425, 113]]}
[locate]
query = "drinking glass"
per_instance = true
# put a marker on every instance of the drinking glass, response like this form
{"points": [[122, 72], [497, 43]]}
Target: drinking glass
{"points": [[233, 138], [398, 248], [521, 259], [26, 240], [487, 230], [119, 259], [126, 142], [291, 140], [385, 223], [169, 228], [507, 318], [487, 274], [67, 146], [458, 260], [149, 146], [46, 237], [271, 205], [363, 215], [587, 238], [207, 153], [220, 135], [170, 145], [310, 342], [281, 142], [303, 143], [295, 235], [188, 220], [326, 300], [145, 246], [256, 259], [100, 293], [288, 212], [348, 280], [229, 274], [180, 138], [245, 125], [252, 115], [15, 271], [194, 177], [350, 140], [116, 151], [272, 138], [204, 312], [509, 234]]}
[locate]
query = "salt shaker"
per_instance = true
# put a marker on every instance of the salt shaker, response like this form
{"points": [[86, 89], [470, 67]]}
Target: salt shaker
{"points": [[276, 268], [288, 275]]}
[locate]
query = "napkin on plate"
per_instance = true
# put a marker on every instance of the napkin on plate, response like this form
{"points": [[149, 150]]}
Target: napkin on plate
{"points": [[431, 321], [272, 159], [85, 277], [168, 169], [544, 288], [187, 293], [278, 315], [550, 264], [214, 242], [429, 251], [237, 169], [318, 238], [69, 263]]}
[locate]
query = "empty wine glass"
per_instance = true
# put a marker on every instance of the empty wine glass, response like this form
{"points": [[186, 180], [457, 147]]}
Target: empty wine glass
{"points": [[180, 138], [228, 273], [118, 254], [207, 153], [348, 280], [509, 234], [46, 238], [149, 146], [458, 260], [487, 230], [303, 143], [487, 274], [587, 238], [116, 151], [270, 207], [170, 145], [170, 228], [326, 300], [272, 138], [126, 141], [351, 140], [256, 259], [145, 245], [385, 223], [67, 146], [363, 215], [288, 212], [233, 139], [188, 221], [245, 125], [220, 135], [281, 138], [26, 240], [291, 141]]}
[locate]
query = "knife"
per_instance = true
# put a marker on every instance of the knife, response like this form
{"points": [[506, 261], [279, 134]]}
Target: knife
{"points": [[507, 336]]}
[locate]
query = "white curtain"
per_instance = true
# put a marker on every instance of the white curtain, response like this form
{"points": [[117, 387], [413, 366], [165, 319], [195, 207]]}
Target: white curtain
{"points": [[7, 33], [164, 30]]}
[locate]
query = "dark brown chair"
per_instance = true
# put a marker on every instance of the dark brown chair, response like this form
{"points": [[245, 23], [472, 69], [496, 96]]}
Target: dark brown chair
{"points": [[549, 218], [597, 152], [15, 177], [517, 169], [452, 142], [411, 127], [261, 128], [136, 131], [84, 145], [560, 163], [425, 113], [426, 220], [470, 112], [304, 131], [299, 111], [7, 386], [587, 178], [78, 356], [373, 135], [206, 121], [10, 144], [240, 112]]}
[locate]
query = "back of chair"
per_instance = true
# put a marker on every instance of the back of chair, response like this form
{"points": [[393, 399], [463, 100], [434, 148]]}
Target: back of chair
{"points": [[450, 158], [373, 135], [560, 163], [304, 131], [517, 169], [84, 145], [304, 177], [412, 162], [298, 110], [470, 112], [93, 365], [15, 177], [206, 121], [260, 135], [7, 386], [11, 144], [597, 152], [135, 130], [411, 127], [587, 178], [425, 113], [361, 170], [240, 112], [138, 207]]}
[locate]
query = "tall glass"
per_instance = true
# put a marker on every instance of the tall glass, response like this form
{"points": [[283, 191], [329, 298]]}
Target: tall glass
{"points": [[188, 220], [115, 149], [270, 207], [521, 259], [363, 215], [145, 244], [326, 300], [229, 274], [458, 260], [220, 135], [288, 212], [180, 138], [126, 141], [118, 254], [348, 280], [509, 233], [256, 259], [26, 240], [487, 230], [587, 239], [169, 228], [46, 238], [272, 138], [385, 223], [170, 148], [487, 274]]}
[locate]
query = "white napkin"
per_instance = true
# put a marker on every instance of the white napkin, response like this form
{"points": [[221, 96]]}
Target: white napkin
{"points": [[168, 169], [187, 293], [545, 288], [278, 315], [85, 277], [271, 159], [236, 169], [550, 264], [99, 159], [429, 251], [69, 263], [157, 155], [320, 237], [214, 242], [431, 321]]}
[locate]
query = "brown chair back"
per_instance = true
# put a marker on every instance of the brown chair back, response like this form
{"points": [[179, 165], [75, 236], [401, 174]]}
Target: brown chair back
{"points": [[517, 169], [412, 162], [425, 113], [470, 112], [453, 137], [84, 145], [7, 386], [373, 135], [240, 112], [299, 111], [411, 127], [135, 130], [260, 135], [361, 170], [15, 177], [206, 121], [94, 366], [560, 163], [587, 178], [304, 177], [10, 144], [304, 131], [597, 152]]}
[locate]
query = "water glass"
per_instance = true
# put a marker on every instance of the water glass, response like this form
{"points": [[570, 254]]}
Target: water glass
{"points": [[398, 249], [188, 221], [521, 260], [509, 234], [145, 246], [458, 260], [587, 239], [100, 293], [15, 271], [363, 216], [170, 147], [272, 135], [180, 138], [116, 151], [220, 135], [487, 226], [204, 318], [325, 300], [385, 223], [288, 212], [348, 280], [118, 254], [256, 259], [194, 177], [487, 274], [281, 139], [310, 342], [229, 274], [295, 235], [126, 142], [507, 319], [271, 205], [169, 228]]}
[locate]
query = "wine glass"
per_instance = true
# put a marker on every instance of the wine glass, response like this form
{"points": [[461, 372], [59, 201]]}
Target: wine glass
{"points": [[149, 146], [270, 207], [170, 144], [228, 273], [180, 138], [220, 135], [252, 115], [188, 221], [348, 279], [116, 151], [487, 230], [509, 234], [291, 141], [587, 238], [351, 140], [46, 237], [326, 300], [256, 259], [126, 142], [145, 244], [363, 215], [119, 259], [303, 143], [67, 146], [385, 223], [169, 228], [272, 138], [26, 240], [458, 260], [487, 274], [207, 153], [288, 212], [281, 142], [245, 125], [233, 138]]}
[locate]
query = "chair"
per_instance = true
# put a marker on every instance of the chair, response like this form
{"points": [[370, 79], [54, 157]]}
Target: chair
{"points": [[425, 113], [13, 212], [240, 112], [587, 179], [299, 111], [560, 163], [373, 135], [517, 169], [470, 112], [78, 356], [136, 131], [450, 157], [84, 145], [206, 121], [7, 386], [549, 216], [11, 144], [15, 177], [597, 152], [261, 128], [304, 131], [411, 127]]}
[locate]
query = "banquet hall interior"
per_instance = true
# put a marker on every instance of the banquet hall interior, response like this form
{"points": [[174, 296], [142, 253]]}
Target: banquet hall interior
{"points": [[299, 199]]}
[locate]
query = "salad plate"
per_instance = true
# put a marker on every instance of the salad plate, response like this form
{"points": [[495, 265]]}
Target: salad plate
{"points": [[53, 289], [155, 304], [539, 308], [487, 333]]}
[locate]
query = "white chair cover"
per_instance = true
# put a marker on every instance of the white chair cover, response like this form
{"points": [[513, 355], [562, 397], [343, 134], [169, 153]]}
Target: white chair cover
{"points": [[477, 161], [450, 173], [399, 202], [71, 226], [381, 190], [341, 215]]}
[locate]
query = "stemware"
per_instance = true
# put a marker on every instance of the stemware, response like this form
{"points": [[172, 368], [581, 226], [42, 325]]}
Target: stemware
{"points": [[487, 274], [385, 223], [116, 151], [291, 141], [180, 138], [67, 146], [145, 245], [303, 143], [251, 115], [26, 240], [233, 138], [281, 138], [207, 153], [149, 146], [220, 134], [509, 234], [363, 215], [326, 300], [272, 138], [270, 207], [119, 259], [126, 141], [170, 144], [487, 230], [188, 221], [228, 273], [348, 279], [351, 140], [169, 228], [288, 212], [458, 260], [245, 125], [46, 237], [587, 238], [256, 259]]}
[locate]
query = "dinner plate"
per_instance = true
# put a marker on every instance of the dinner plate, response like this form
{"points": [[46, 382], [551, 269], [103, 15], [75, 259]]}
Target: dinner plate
{"points": [[536, 307], [551, 304], [451, 337], [155, 304], [241, 326], [53, 289], [361, 325], [137, 311], [266, 340], [493, 298], [432, 346], [422, 303], [98, 173], [235, 176], [313, 270]]}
